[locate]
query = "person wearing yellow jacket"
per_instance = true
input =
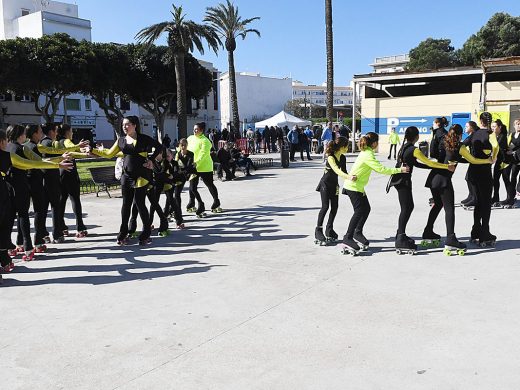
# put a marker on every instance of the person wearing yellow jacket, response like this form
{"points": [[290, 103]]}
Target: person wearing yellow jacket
{"points": [[201, 148], [394, 141], [365, 163]]}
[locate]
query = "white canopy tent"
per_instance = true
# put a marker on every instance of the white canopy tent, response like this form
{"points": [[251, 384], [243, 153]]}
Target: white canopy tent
{"points": [[283, 119]]}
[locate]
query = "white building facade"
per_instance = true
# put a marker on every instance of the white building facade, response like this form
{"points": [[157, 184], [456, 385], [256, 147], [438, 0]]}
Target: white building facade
{"points": [[35, 18], [317, 94], [259, 97], [390, 64]]}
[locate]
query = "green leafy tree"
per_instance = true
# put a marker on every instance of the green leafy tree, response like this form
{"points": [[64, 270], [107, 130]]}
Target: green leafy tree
{"points": [[229, 25], [46, 68], [182, 37], [432, 54], [499, 37]]}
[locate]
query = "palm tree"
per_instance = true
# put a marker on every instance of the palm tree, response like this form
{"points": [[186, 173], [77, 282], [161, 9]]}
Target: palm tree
{"points": [[225, 20], [330, 60], [183, 37]]}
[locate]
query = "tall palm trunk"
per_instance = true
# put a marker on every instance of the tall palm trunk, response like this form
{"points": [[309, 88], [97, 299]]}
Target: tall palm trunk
{"points": [[233, 92], [182, 121], [330, 60]]}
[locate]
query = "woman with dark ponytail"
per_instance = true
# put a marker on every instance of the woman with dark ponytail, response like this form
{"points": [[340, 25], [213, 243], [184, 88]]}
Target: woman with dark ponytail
{"points": [[483, 145], [441, 187], [410, 156], [363, 166], [328, 188], [501, 168], [469, 201], [137, 175]]}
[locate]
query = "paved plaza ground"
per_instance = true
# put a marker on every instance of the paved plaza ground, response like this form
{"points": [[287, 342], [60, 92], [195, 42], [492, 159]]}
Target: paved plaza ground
{"points": [[245, 300]]}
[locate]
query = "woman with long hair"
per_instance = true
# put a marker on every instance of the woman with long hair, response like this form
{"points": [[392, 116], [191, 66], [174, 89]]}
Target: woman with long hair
{"points": [[501, 169], [469, 201], [136, 176], [441, 187], [365, 163], [328, 188], [409, 156]]}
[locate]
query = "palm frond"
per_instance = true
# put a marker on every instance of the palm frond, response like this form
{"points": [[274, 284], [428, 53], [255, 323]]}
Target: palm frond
{"points": [[150, 34]]}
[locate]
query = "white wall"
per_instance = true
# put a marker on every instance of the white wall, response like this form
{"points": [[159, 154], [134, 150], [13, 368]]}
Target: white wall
{"points": [[259, 97]]}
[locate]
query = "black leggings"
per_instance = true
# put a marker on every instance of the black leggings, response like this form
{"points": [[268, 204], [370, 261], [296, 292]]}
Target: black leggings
{"points": [[172, 206], [154, 195], [328, 197], [52, 187], [70, 186], [392, 146], [292, 151], [362, 209], [131, 195], [178, 191], [513, 187], [22, 202], [207, 178], [443, 198], [406, 202], [497, 174], [482, 211], [39, 207]]}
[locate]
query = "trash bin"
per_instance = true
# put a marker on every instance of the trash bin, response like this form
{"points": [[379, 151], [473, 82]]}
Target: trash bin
{"points": [[424, 147], [284, 154]]}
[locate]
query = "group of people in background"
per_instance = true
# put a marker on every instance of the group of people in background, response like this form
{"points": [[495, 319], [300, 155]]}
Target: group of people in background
{"points": [[492, 155]]}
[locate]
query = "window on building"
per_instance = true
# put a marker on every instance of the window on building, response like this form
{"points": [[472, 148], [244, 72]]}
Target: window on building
{"points": [[88, 105], [25, 11], [124, 104], [206, 102], [73, 104]]}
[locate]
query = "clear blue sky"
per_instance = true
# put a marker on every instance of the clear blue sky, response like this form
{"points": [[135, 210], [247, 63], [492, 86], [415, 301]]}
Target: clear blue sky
{"points": [[293, 31]]}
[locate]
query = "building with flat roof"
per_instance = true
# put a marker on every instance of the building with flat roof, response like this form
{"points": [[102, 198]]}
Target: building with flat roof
{"points": [[460, 94], [259, 97], [390, 64], [317, 94]]}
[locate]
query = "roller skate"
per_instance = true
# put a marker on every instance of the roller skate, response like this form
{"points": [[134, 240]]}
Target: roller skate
{"points": [[180, 226], [164, 233], [430, 239], [65, 232], [29, 255], [201, 211], [47, 240], [508, 204], [350, 247], [475, 235], [122, 242], [453, 246], [470, 206], [133, 235], [40, 248], [319, 237], [15, 251], [487, 240], [361, 240], [145, 241], [59, 240], [190, 208], [331, 235], [215, 207], [82, 234], [404, 245]]}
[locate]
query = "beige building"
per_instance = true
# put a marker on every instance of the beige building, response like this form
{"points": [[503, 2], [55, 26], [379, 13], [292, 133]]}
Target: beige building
{"points": [[403, 99]]}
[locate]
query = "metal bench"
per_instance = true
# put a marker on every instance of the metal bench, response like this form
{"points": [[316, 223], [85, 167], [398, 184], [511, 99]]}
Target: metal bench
{"points": [[103, 178]]}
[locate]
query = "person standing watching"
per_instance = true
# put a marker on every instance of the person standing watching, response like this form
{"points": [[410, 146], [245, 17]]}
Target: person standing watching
{"points": [[394, 141], [326, 137]]}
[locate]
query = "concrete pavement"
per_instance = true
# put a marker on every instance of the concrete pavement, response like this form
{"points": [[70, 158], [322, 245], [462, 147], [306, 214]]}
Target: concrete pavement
{"points": [[245, 300]]}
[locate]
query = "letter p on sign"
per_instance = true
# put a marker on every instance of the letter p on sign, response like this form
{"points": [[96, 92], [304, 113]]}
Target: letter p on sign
{"points": [[391, 122]]}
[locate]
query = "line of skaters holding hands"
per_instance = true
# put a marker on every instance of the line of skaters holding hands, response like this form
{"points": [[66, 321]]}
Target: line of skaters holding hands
{"points": [[480, 150]]}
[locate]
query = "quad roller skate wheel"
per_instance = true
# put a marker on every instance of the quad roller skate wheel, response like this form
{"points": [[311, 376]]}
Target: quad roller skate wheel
{"points": [[203, 215], [410, 252], [430, 243], [191, 209], [218, 210], [164, 233], [82, 234], [349, 251]]}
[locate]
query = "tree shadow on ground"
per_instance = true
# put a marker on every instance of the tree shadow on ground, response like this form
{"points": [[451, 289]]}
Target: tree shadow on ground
{"points": [[233, 226]]}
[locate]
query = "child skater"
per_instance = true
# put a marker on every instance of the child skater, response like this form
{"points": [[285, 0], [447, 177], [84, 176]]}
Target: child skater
{"points": [[363, 166], [329, 190]]}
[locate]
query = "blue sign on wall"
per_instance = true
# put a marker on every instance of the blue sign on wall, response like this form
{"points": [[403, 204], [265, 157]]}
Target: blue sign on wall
{"points": [[384, 125]]}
